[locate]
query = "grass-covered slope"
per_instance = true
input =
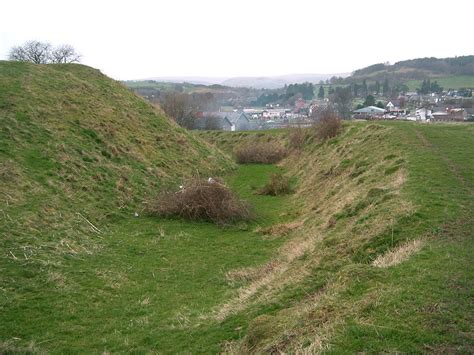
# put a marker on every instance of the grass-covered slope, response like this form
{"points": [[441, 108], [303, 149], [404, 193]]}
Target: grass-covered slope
{"points": [[379, 258], [78, 149], [372, 253]]}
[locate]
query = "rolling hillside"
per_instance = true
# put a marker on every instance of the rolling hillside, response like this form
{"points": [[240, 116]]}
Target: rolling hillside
{"points": [[453, 73]]}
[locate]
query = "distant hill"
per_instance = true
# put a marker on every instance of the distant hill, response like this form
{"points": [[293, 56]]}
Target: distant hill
{"points": [[263, 82], [417, 69], [197, 80], [275, 82]]}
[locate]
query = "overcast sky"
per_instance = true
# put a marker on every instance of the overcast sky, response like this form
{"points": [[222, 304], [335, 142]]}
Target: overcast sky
{"points": [[138, 39]]}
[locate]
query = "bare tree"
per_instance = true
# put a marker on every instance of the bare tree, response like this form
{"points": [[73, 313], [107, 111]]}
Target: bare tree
{"points": [[65, 54], [43, 53], [179, 107], [342, 100], [212, 123], [32, 51], [329, 124]]}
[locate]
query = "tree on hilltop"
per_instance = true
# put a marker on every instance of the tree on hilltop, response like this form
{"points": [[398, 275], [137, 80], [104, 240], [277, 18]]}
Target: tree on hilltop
{"points": [[65, 54], [43, 53]]}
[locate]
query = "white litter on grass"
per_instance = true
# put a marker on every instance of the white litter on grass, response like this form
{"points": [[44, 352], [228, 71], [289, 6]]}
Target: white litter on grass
{"points": [[136, 214]]}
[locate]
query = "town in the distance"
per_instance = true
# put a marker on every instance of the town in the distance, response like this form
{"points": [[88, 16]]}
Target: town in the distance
{"points": [[425, 90]]}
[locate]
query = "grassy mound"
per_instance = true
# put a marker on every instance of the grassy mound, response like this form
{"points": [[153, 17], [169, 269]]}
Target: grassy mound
{"points": [[78, 150]]}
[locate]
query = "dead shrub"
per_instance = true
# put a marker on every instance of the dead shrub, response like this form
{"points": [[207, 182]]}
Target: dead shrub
{"points": [[261, 152], [279, 184], [329, 125], [200, 199], [296, 138]]}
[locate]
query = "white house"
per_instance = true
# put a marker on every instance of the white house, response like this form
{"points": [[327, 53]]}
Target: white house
{"points": [[423, 114]]}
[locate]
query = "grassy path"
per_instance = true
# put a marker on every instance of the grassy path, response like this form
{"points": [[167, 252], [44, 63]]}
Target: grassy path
{"points": [[148, 286]]}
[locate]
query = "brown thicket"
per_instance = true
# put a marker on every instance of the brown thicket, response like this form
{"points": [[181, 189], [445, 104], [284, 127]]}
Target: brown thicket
{"points": [[199, 199], [279, 184], [260, 152], [329, 125]]}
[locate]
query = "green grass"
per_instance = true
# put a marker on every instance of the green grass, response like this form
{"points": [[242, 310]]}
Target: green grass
{"points": [[78, 149], [146, 287], [425, 304], [447, 82], [346, 305]]}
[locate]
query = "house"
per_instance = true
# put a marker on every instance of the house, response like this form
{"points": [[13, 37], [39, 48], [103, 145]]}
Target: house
{"points": [[226, 121], [469, 114], [393, 108], [423, 114], [449, 114], [369, 112], [274, 113], [253, 113]]}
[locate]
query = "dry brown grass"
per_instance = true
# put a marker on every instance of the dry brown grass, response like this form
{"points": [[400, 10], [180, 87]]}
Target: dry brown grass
{"points": [[261, 152], [398, 254], [13, 346], [281, 229], [200, 199], [296, 138], [250, 273]]}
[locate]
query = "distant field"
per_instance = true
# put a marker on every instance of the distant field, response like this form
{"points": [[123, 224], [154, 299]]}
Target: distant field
{"points": [[449, 82]]}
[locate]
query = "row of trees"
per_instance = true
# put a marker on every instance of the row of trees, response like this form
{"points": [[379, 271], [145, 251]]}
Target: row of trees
{"points": [[44, 53], [305, 89], [428, 87], [287, 95]]}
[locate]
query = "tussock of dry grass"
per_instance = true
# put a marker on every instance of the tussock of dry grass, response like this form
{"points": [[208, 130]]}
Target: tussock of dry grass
{"points": [[261, 152], [297, 138], [201, 200], [329, 124], [281, 229], [398, 254], [250, 273], [279, 184]]}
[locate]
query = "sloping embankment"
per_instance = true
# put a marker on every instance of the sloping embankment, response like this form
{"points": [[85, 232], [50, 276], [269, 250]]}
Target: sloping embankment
{"points": [[78, 149], [364, 211]]}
